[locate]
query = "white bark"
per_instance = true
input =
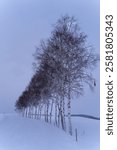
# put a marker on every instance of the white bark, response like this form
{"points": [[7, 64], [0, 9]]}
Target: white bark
{"points": [[69, 113]]}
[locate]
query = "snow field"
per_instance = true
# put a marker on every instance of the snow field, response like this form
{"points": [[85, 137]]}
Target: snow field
{"points": [[17, 133]]}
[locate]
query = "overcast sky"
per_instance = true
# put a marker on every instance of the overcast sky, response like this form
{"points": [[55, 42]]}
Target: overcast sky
{"points": [[23, 23]]}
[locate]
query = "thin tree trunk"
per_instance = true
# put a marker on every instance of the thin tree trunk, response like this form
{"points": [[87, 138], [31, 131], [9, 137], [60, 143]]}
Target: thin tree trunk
{"points": [[47, 111], [35, 112], [63, 107], [28, 112], [23, 112], [69, 112], [61, 113], [51, 111], [39, 111], [56, 113], [31, 112]]}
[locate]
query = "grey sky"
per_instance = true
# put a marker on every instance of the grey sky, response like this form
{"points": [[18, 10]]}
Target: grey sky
{"points": [[23, 23]]}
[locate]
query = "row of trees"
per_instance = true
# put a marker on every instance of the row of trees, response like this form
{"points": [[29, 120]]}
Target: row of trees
{"points": [[61, 70]]}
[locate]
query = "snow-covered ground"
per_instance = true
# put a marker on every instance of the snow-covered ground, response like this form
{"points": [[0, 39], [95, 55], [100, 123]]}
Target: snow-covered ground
{"points": [[17, 133]]}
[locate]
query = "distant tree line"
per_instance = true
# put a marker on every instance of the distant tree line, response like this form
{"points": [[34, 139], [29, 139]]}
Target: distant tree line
{"points": [[63, 65]]}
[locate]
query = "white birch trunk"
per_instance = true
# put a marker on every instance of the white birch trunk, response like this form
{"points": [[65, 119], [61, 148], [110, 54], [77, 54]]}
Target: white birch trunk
{"points": [[56, 113], [51, 111], [69, 112]]}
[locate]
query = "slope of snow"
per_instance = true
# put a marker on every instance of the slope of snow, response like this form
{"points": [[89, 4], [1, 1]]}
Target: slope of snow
{"points": [[17, 133], [88, 133]]}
